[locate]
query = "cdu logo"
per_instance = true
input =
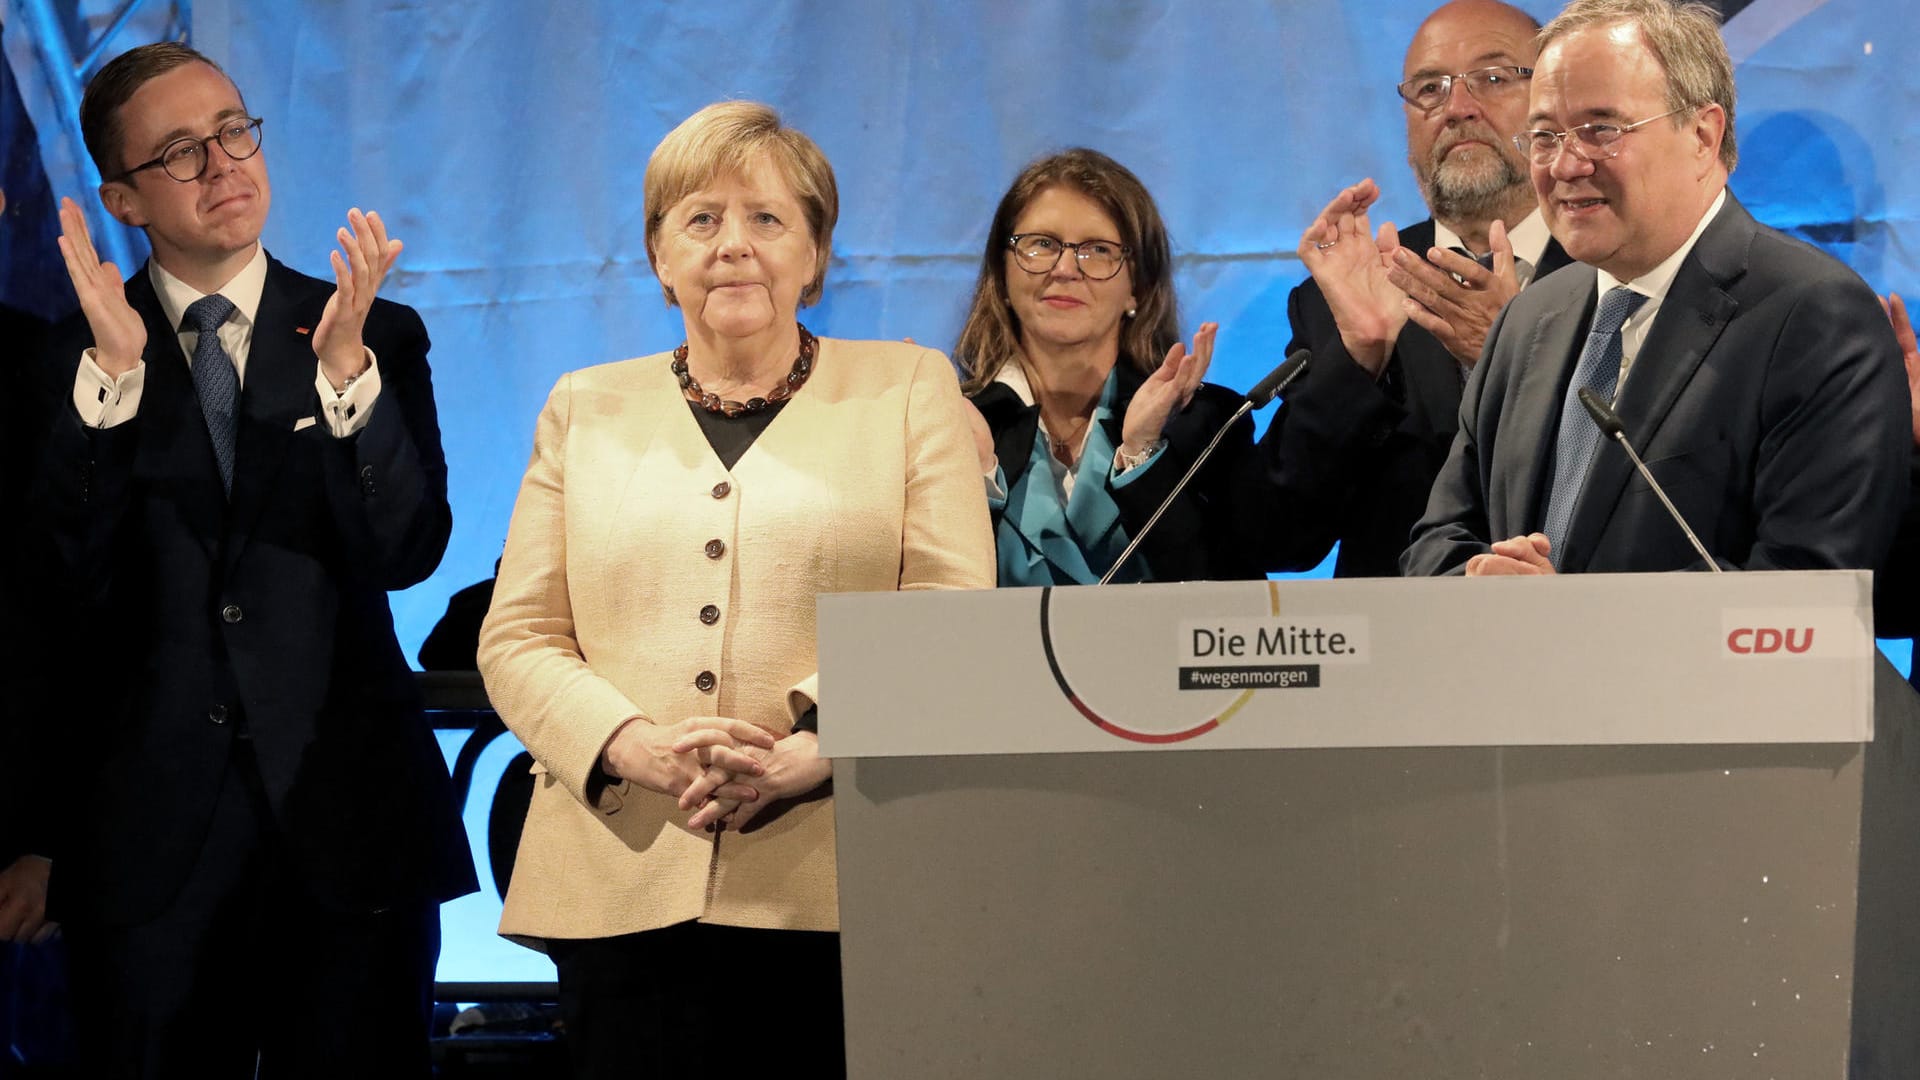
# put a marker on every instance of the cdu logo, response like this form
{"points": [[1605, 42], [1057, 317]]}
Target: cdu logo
{"points": [[1760, 640]]}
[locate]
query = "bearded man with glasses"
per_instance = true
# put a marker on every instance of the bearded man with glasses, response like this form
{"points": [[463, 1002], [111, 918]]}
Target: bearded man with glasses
{"points": [[1396, 320], [1757, 376], [248, 461]]}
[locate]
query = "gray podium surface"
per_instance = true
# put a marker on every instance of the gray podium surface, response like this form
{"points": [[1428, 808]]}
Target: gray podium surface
{"points": [[1560, 912]]}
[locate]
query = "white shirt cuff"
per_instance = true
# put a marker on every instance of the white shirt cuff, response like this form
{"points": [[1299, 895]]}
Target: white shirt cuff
{"points": [[102, 400], [347, 410]]}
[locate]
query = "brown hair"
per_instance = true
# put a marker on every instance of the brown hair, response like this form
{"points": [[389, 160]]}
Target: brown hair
{"points": [[991, 335], [724, 137], [114, 85], [1684, 39]]}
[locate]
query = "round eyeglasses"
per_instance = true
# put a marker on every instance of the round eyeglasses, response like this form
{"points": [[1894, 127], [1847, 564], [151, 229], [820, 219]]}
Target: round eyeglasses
{"points": [[185, 159], [1039, 253], [1594, 142], [1429, 92]]}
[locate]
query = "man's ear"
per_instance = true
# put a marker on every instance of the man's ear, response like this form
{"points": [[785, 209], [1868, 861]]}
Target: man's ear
{"points": [[123, 204]]}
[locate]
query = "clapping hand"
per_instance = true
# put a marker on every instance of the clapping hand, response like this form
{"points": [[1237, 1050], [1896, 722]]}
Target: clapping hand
{"points": [[1910, 350], [1350, 263], [357, 277], [119, 335], [1168, 390], [1453, 297]]}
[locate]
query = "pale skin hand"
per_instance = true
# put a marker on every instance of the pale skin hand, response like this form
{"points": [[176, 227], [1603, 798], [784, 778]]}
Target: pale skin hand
{"points": [[1910, 350], [1352, 274], [671, 758], [1458, 315], [1166, 391], [119, 335], [791, 769], [357, 278], [23, 901], [1520, 555]]}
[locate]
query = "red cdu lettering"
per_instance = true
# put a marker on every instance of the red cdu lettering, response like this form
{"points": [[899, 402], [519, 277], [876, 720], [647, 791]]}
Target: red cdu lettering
{"points": [[1766, 640], [1733, 641], [1804, 644]]}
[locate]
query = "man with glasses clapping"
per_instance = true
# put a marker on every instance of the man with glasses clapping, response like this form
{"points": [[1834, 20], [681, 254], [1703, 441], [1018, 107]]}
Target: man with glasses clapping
{"points": [[249, 460], [1396, 320]]}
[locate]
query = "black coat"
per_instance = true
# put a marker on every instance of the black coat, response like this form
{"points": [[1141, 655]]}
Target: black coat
{"points": [[1349, 458], [265, 614]]}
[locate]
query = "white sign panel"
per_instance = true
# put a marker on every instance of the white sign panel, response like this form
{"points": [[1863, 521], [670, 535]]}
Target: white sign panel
{"points": [[1591, 659]]}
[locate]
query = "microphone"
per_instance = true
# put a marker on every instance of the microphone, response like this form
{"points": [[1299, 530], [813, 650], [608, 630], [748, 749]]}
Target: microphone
{"points": [[1264, 391], [1277, 380], [1609, 423]]}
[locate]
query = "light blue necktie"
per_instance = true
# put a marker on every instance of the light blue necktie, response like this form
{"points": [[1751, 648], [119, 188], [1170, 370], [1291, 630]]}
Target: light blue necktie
{"points": [[1579, 437], [215, 379]]}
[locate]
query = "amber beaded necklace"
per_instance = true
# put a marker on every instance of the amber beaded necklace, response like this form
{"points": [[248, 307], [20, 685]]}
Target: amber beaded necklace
{"points": [[714, 403]]}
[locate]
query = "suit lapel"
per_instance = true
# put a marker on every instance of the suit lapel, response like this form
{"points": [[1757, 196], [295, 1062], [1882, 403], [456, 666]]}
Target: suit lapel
{"points": [[175, 450], [278, 393], [1524, 458], [1696, 310], [1552, 258]]}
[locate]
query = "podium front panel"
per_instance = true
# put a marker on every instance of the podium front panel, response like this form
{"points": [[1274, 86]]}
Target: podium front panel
{"points": [[1497, 914]]}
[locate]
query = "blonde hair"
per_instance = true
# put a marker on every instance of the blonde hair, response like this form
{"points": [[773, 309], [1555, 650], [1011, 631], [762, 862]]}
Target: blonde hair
{"points": [[1685, 41], [726, 137], [991, 334]]}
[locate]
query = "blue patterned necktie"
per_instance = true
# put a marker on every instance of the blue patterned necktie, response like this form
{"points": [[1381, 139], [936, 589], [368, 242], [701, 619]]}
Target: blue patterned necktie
{"points": [[1579, 436], [215, 379]]}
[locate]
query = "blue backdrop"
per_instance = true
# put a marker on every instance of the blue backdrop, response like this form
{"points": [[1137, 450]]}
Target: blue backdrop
{"points": [[505, 143]]}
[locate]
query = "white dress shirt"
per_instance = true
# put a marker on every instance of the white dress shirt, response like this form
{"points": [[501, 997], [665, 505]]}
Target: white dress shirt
{"points": [[104, 401], [1528, 240]]}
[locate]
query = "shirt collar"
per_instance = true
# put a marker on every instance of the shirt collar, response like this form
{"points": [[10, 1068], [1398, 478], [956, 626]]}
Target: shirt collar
{"points": [[243, 289], [1655, 282], [1014, 378], [1528, 238]]}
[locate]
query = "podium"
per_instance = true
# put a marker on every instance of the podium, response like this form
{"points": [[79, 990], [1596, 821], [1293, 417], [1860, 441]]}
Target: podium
{"points": [[1601, 826]]}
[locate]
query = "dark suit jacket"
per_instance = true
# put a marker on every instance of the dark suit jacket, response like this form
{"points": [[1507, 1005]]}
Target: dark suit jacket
{"points": [[1351, 459], [1768, 399], [1896, 588], [23, 654], [265, 615], [1197, 539]]}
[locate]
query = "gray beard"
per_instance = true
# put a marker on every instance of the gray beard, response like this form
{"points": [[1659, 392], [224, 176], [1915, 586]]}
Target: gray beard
{"points": [[1482, 197]]}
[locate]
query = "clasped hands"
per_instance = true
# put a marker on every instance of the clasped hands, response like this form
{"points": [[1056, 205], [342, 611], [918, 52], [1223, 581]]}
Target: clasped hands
{"points": [[1374, 287], [725, 771], [120, 335], [1520, 555]]}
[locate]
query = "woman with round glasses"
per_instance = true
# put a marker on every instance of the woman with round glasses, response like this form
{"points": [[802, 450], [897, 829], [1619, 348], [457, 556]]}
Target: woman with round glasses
{"points": [[651, 638], [1089, 407]]}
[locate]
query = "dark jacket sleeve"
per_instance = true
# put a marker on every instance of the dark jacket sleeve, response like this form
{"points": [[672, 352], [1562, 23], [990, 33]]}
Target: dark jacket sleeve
{"points": [[1896, 588], [1197, 539], [387, 484]]}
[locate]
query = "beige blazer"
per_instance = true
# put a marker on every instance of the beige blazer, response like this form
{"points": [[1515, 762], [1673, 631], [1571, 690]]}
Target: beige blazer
{"points": [[626, 527]]}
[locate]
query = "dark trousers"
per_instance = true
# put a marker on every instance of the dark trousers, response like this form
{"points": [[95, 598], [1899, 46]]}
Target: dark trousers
{"points": [[689, 999], [246, 968]]}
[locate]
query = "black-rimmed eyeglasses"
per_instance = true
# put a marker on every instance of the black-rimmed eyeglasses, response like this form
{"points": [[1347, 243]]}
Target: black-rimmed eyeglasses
{"points": [[185, 159], [1595, 142], [1429, 92], [1039, 253]]}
